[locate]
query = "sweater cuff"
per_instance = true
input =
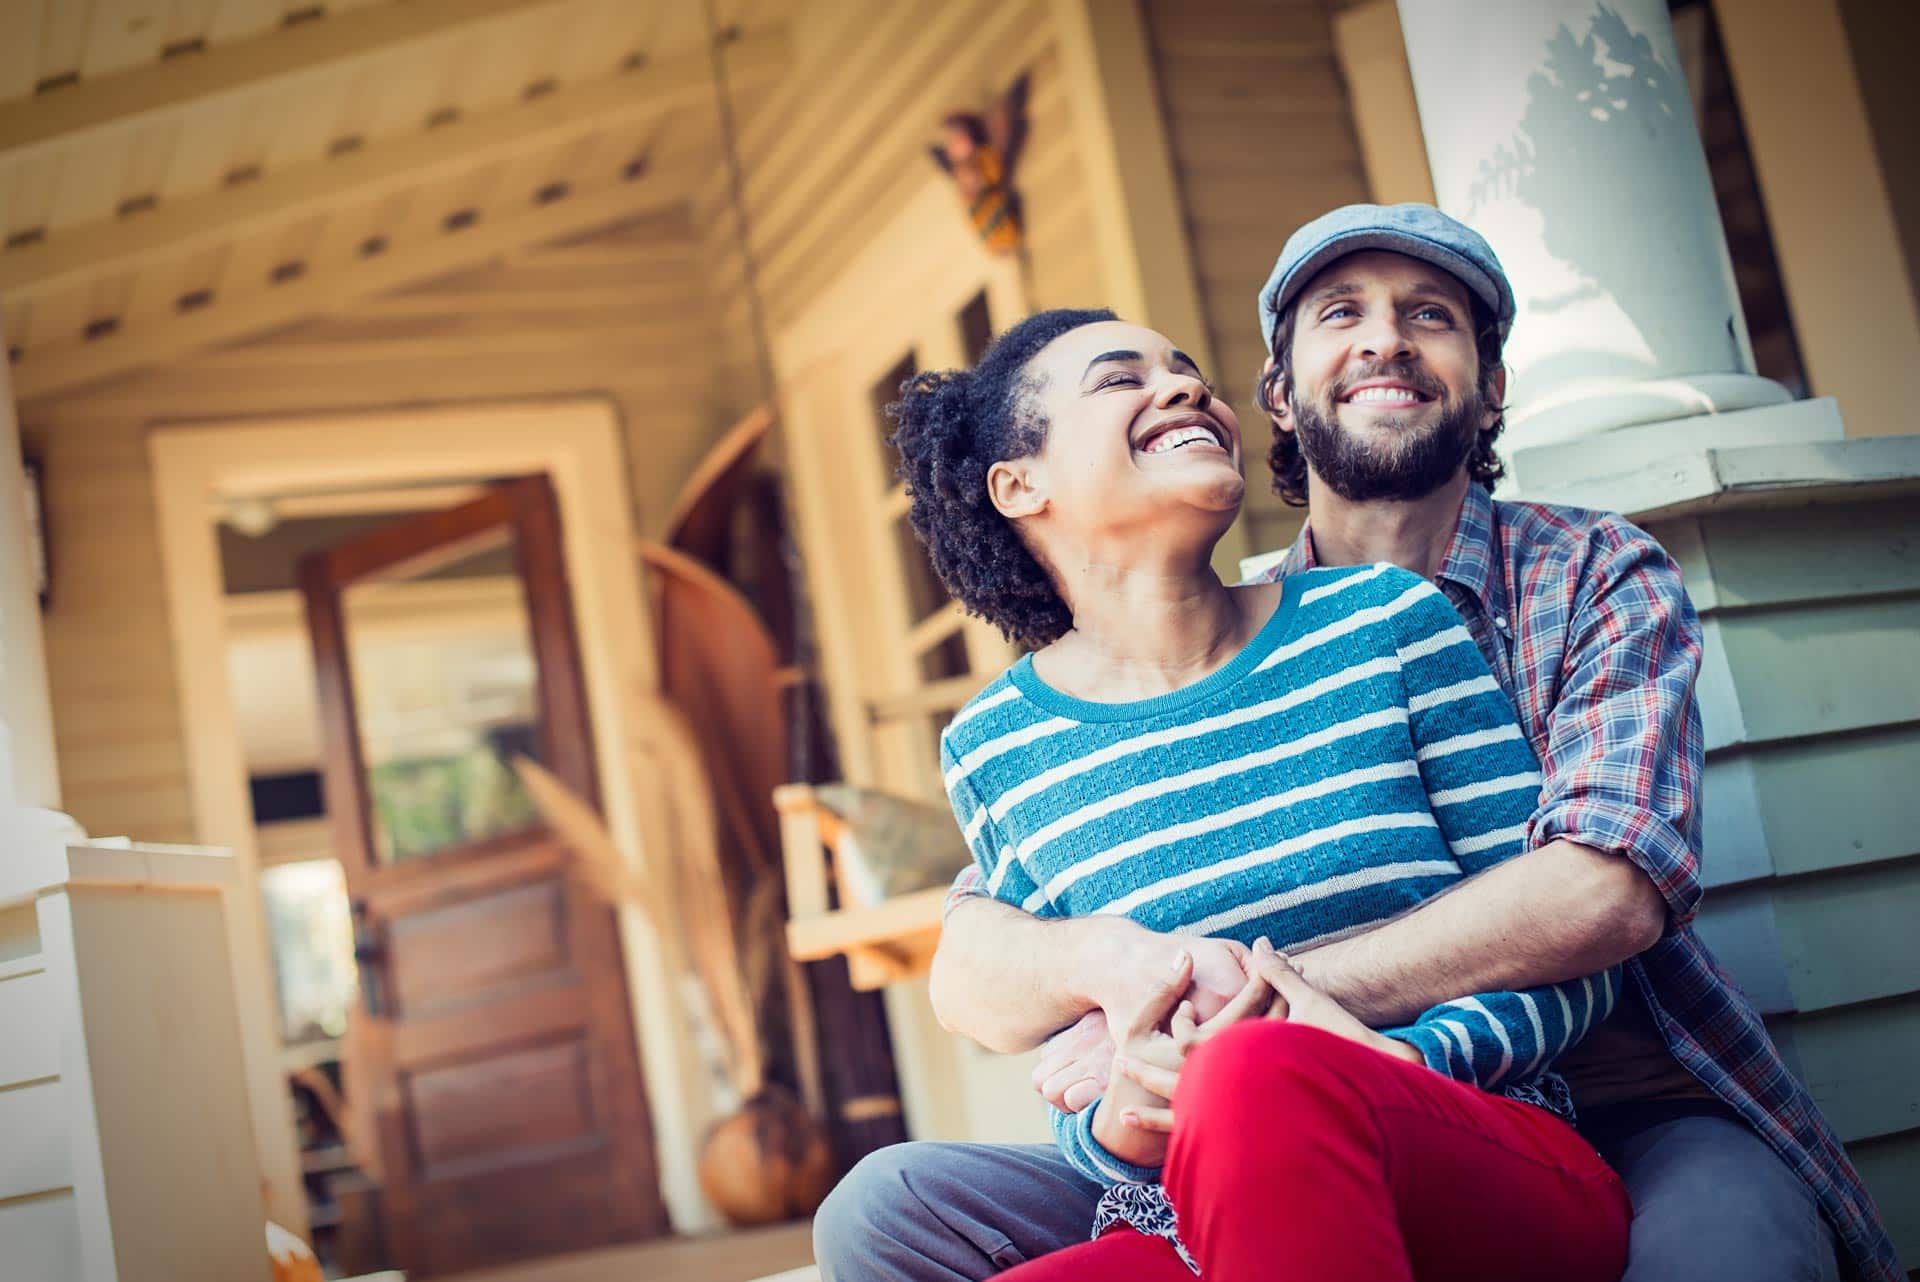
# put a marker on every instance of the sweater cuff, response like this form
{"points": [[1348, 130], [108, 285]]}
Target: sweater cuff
{"points": [[1440, 1052], [1112, 1170]]}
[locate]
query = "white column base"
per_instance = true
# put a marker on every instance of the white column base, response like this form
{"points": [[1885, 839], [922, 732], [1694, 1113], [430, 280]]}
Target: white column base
{"points": [[1577, 411], [1782, 455]]}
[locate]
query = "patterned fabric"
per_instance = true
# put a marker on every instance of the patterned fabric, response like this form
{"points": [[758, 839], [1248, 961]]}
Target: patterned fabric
{"points": [[1587, 626], [1584, 619], [1353, 760]]}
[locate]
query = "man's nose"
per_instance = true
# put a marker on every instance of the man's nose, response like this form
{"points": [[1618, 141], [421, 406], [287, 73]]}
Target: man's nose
{"points": [[1384, 338], [1182, 389]]}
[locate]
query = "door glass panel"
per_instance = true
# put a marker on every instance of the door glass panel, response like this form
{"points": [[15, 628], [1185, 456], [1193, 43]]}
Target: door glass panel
{"points": [[976, 328], [947, 659], [446, 694], [310, 929]]}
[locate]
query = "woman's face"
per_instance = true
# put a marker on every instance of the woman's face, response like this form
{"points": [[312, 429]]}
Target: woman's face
{"points": [[1134, 435]]}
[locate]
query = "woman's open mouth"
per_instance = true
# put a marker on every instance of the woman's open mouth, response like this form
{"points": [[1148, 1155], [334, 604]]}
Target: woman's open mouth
{"points": [[1185, 432]]}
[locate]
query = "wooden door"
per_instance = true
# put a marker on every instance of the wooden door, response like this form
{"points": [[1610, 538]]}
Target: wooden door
{"points": [[500, 1052]]}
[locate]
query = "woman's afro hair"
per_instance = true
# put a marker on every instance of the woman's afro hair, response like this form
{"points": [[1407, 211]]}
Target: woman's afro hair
{"points": [[950, 426]]}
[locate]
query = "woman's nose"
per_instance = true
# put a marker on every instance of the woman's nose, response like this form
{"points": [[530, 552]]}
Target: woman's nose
{"points": [[1183, 389]]}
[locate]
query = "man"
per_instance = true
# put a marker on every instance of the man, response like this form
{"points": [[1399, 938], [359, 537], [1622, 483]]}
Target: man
{"points": [[1385, 386]]}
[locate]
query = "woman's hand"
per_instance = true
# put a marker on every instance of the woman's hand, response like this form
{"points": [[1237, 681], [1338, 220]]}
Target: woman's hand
{"points": [[1298, 1002], [1072, 1070], [1135, 1118]]}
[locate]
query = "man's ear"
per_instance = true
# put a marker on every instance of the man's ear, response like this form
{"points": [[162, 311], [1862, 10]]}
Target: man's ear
{"points": [[1496, 396], [1017, 487], [1276, 396]]}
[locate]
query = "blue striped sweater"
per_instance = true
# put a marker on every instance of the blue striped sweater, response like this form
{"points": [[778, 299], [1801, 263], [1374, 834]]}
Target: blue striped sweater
{"points": [[1355, 759]]}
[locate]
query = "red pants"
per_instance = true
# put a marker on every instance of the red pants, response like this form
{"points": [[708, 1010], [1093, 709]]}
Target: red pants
{"points": [[1303, 1157]]}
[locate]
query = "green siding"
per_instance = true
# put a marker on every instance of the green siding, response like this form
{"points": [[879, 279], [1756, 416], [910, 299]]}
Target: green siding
{"points": [[1811, 696], [1891, 1168], [1860, 1063]]}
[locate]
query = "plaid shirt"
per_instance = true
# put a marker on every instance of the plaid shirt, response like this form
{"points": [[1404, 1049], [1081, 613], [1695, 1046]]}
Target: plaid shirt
{"points": [[1585, 622]]}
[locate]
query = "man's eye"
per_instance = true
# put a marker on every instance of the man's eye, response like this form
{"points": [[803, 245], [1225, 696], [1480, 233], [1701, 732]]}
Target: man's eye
{"points": [[1440, 314], [1337, 311]]}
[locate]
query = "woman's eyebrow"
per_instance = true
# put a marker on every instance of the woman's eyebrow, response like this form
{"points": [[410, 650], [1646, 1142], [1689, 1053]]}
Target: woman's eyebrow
{"points": [[1106, 357], [1181, 358]]}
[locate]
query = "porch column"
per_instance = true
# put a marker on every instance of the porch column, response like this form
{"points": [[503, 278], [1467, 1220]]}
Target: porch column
{"points": [[29, 779], [1562, 130]]}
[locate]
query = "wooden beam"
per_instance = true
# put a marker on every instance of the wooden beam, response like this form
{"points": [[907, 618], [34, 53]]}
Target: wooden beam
{"points": [[62, 367], [200, 221], [240, 64]]}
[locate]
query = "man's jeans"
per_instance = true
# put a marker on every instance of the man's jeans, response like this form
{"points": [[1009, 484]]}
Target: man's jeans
{"points": [[1711, 1202]]}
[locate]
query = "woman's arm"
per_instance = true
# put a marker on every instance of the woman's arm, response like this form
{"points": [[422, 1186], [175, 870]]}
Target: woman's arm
{"points": [[1496, 1040]]}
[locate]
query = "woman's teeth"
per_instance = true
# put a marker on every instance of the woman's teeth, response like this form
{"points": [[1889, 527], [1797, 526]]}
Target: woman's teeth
{"points": [[1175, 438]]}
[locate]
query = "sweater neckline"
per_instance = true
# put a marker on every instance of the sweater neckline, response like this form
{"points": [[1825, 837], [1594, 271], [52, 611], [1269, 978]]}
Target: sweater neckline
{"points": [[1263, 643]]}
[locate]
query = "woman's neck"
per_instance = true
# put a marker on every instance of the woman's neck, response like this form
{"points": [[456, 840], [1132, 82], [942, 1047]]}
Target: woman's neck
{"points": [[1142, 631]]}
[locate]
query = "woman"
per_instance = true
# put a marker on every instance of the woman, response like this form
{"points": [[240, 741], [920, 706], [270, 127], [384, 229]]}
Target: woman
{"points": [[1284, 761]]}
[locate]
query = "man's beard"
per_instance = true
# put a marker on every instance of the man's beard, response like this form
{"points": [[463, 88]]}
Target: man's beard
{"points": [[1407, 463]]}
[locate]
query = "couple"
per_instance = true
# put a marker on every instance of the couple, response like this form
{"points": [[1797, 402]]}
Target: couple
{"points": [[1347, 943]]}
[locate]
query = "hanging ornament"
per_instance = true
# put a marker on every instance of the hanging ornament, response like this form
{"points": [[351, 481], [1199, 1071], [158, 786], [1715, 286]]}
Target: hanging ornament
{"points": [[979, 153]]}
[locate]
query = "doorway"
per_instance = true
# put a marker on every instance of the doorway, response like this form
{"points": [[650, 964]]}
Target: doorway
{"points": [[202, 474]]}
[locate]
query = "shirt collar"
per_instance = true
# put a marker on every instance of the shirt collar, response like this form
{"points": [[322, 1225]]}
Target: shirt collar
{"points": [[1472, 553]]}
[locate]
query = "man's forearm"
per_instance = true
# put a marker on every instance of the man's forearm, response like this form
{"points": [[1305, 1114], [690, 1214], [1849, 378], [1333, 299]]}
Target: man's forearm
{"points": [[1009, 980], [1553, 914]]}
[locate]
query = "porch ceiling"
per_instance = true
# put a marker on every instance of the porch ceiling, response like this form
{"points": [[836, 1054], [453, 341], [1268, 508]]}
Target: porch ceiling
{"points": [[176, 174]]}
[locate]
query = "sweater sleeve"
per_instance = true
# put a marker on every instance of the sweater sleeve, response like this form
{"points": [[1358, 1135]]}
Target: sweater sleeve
{"points": [[1481, 777], [996, 872], [1497, 1040], [1074, 1133]]}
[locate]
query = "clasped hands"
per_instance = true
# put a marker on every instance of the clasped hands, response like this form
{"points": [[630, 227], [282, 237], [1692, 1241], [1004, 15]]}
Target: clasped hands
{"points": [[1135, 1116]]}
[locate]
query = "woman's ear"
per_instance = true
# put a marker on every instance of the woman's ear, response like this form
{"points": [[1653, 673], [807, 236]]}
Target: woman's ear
{"points": [[1017, 487]]}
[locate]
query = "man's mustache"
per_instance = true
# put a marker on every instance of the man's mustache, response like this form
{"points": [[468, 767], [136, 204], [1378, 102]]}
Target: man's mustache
{"points": [[1398, 371]]}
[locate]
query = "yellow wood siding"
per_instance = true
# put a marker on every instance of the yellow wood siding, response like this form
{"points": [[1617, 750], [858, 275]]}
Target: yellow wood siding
{"points": [[832, 153], [1263, 141]]}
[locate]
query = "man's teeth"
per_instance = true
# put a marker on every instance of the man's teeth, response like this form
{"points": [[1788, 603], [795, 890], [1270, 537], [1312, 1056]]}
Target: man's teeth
{"points": [[1176, 437], [1366, 394]]}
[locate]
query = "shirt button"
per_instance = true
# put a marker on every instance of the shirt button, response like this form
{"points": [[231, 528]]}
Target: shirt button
{"points": [[1500, 621]]}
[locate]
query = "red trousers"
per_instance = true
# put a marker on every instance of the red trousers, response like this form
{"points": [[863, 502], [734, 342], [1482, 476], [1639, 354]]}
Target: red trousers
{"points": [[1304, 1157]]}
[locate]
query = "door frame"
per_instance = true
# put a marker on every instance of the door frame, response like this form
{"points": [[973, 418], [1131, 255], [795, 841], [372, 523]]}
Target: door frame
{"points": [[576, 442]]}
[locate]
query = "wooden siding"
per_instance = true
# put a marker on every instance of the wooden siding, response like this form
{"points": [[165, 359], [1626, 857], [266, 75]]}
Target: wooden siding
{"points": [[830, 155], [1263, 141], [1812, 851], [621, 315]]}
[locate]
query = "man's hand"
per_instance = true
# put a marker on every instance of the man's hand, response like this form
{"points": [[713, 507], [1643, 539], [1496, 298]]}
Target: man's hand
{"points": [[1072, 1070]]}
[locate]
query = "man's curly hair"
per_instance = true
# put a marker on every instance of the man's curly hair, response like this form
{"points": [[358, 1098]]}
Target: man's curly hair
{"points": [[950, 426], [1290, 465]]}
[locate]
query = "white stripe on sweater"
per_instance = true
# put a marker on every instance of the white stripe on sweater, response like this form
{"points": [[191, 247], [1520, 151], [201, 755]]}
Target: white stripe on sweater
{"points": [[1359, 879], [1448, 694], [1488, 840], [1313, 690], [1466, 742], [1485, 788], [1074, 873], [1342, 584], [1227, 867], [1443, 640], [1539, 1035], [1499, 1035], [1007, 743], [1351, 623], [1213, 771]]}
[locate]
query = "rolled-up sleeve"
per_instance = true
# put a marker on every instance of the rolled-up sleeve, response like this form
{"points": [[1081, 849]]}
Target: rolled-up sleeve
{"points": [[1624, 750]]}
